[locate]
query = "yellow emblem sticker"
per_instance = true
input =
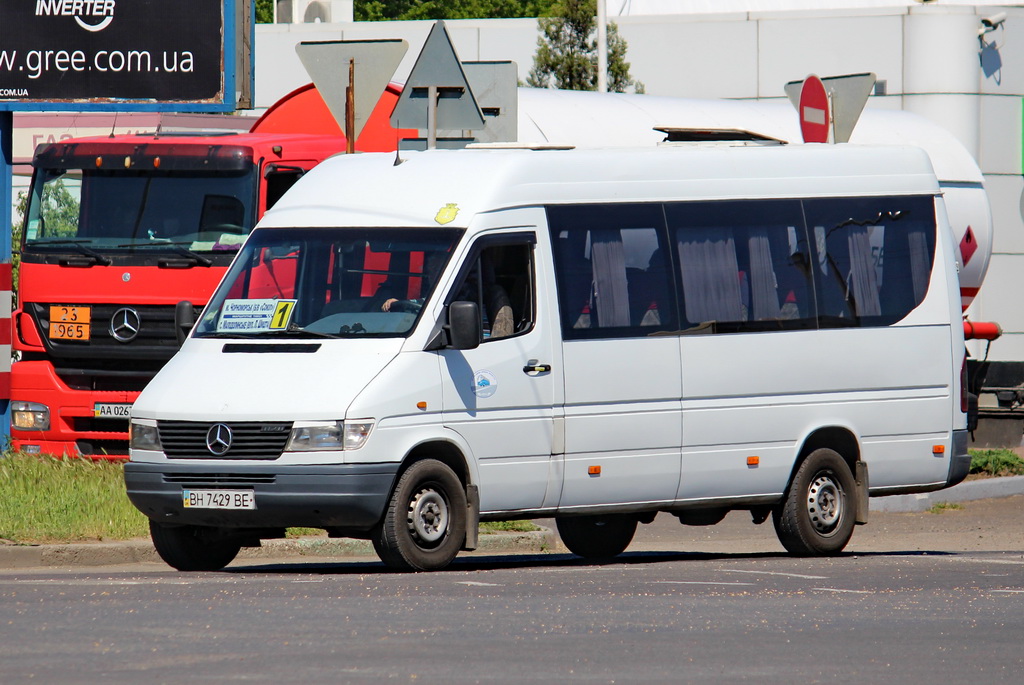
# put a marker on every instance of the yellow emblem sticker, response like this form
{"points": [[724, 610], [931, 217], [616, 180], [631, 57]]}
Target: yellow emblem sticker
{"points": [[446, 214]]}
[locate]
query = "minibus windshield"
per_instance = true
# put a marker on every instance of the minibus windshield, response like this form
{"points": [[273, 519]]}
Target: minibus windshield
{"points": [[328, 282]]}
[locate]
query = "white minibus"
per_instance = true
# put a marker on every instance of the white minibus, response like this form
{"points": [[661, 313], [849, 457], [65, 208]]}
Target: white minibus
{"points": [[407, 346]]}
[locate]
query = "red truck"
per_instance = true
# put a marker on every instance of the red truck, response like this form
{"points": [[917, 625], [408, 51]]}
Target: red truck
{"points": [[117, 231]]}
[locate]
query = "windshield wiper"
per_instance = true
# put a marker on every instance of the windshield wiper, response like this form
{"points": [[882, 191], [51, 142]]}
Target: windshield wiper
{"points": [[296, 328], [76, 243], [178, 247]]}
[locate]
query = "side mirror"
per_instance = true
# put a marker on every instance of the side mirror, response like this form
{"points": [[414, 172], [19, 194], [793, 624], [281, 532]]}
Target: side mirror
{"points": [[464, 327], [184, 319]]}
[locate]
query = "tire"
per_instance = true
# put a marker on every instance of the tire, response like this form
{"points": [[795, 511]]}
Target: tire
{"points": [[425, 524], [817, 516], [596, 537], [193, 548]]}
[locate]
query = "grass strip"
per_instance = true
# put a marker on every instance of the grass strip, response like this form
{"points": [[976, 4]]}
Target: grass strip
{"points": [[65, 500], [996, 462]]}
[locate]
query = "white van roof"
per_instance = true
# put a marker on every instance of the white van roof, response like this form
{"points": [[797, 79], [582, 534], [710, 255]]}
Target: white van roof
{"points": [[371, 190]]}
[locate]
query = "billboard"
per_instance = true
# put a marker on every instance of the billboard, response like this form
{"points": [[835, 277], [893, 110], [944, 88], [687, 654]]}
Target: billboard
{"points": [[117, 54]]}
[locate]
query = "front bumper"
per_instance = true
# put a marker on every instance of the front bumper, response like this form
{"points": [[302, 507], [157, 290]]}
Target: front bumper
{"points": [[351, 496]]}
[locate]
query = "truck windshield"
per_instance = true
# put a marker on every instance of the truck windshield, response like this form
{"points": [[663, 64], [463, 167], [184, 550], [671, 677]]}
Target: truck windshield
{"points": [[90, 211], [329, 282]]}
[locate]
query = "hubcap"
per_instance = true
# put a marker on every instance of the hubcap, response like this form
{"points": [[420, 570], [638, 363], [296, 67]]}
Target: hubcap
{"points": [[428, 516], [824, 504]]}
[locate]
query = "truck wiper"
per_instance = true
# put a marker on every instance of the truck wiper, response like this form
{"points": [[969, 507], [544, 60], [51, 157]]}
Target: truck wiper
{"points": [[76, 243], [178, 247]]}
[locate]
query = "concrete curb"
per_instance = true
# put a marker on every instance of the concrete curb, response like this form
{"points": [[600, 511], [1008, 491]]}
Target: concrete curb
{"points": [[985, 488], [139, 551]]}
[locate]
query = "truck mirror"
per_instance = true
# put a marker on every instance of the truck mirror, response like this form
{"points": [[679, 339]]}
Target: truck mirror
{"points": [[464, 328], [184, 319]]}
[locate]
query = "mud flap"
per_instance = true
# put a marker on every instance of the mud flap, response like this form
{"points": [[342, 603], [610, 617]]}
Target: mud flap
{"points": [[861, 476], [472, 518]]}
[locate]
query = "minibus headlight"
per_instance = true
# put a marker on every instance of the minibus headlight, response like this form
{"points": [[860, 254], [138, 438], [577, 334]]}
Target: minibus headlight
{"points": [[331, 435], [316, 436], [30, 416], [143, 437]]}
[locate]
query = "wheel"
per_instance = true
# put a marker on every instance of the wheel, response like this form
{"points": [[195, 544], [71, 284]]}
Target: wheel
{"points": [[193, 548], [596, 537], [425, 523], [817, 516]]}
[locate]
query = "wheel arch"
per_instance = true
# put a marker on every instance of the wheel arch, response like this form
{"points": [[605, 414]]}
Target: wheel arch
{"points": [[839, 439], [444, 451], [846, 443]]}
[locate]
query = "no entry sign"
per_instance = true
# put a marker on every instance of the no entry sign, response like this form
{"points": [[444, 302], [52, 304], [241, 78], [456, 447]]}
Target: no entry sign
{"points": [[815, 116]]}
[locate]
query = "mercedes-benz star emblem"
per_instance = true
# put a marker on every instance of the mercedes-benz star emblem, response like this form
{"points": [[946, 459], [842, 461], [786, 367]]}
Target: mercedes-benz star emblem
{"points": [[124, 324], [218, 439]]}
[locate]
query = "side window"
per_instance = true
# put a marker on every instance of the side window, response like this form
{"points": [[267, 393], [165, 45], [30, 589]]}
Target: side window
{"points": [[873, 257], [744, 266], [278, 180], [500, 279], [612, 270]]}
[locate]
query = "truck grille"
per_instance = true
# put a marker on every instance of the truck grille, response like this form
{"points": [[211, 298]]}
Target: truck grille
{"points": [[249, 439], [156, 337]]}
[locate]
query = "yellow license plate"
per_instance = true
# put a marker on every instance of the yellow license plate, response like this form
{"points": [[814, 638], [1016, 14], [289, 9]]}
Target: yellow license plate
{"points": [[69, 323]]}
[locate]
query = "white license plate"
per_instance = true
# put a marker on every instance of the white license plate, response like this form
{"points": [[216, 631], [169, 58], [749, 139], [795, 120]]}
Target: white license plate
{"points": [[218, 499], [112, 410]]}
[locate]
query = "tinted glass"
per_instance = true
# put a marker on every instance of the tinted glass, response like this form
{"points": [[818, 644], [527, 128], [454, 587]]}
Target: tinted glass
{"points": [[742, 265], [612, 269], [872, 257]]}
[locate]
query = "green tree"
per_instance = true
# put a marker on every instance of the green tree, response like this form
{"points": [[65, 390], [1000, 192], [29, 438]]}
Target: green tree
{"points": [[383, 10], [264, 11], [566, 55]]}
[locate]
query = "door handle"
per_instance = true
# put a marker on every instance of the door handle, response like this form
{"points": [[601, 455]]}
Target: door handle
{"points": [[537, 368]]}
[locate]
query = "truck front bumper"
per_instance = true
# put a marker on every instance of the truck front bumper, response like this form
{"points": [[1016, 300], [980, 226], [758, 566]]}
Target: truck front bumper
{"points": [[351, 496]]}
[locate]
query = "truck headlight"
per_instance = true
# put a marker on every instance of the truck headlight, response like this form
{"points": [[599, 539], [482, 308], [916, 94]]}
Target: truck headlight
{"points": [[328, 436], [30, 416], [142, 436]]}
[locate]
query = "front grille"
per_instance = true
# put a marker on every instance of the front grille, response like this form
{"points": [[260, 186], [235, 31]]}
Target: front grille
{"points": [[157, 337], [214, 479], [97, 424], [250, 439], [102, 448]]}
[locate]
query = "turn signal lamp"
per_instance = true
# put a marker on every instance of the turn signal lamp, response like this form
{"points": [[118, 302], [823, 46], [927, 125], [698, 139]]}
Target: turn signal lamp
{"points": [[938, 449], [594, 470], [753, 461]]}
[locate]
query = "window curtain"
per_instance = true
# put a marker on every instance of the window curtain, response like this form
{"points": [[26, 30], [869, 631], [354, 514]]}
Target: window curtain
{"points": [[920, 268], [764, 288], [710, 275], [611, 292], [863, 277]]}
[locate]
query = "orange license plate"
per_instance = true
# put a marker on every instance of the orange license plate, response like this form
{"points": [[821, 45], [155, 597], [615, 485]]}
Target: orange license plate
{"points": [[69, 323]]}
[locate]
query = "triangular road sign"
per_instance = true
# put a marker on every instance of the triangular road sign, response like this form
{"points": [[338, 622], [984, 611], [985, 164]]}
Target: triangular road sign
{"points": [[849, 94], [375, 63], [438, 67]]}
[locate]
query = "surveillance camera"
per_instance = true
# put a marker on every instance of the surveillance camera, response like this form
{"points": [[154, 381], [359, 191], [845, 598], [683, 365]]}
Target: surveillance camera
{"points": [[993, 22]]}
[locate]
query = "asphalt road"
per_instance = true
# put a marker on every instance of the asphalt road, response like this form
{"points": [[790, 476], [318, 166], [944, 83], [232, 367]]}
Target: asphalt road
{"points": [[935, 598]]}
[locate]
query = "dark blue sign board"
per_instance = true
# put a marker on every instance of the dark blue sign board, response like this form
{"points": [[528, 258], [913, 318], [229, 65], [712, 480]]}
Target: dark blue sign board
{"points": [[111, 56], [118, 55]]}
